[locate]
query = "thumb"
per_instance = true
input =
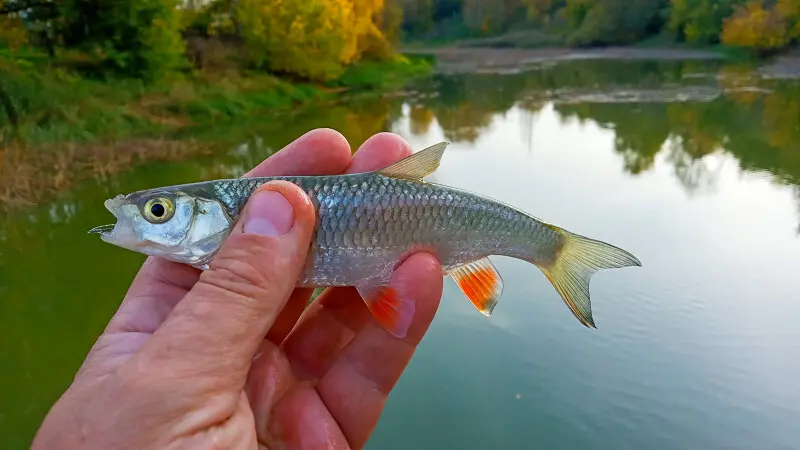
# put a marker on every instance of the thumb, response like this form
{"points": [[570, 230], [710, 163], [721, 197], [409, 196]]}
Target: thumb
{"points": [[218, 326]]}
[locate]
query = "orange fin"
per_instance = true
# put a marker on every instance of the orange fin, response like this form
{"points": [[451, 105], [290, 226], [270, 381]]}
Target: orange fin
{"points": [[391, 311], [481, 283]]}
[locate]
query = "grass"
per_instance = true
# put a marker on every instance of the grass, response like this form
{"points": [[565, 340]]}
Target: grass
{"points": [[49, 104], [27, 177], [382, 76], [57, 126]]}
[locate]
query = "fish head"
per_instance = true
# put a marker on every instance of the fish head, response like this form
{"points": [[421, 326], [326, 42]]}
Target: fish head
{"points": [[168, 223]]}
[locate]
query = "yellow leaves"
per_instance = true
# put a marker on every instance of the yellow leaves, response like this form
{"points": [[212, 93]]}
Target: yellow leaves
{"points": [[307, 37], [421, 120], [790, 9], [366, 22], [781, 115], [756, 27], [315, 39]]}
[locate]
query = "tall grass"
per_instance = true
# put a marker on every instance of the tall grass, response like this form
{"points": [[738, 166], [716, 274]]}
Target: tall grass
{"points": [[51, 104]]}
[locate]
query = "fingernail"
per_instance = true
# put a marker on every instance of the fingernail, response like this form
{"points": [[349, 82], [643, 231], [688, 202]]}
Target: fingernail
{"points": [[269, 214]]}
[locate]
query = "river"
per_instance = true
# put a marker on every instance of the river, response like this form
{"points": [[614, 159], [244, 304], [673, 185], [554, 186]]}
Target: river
{"points": [[692, 166]]}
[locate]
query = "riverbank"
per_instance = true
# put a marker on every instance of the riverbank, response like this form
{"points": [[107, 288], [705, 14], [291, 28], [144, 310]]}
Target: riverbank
{"points": [[42, 106], [460, 59], [57, 127]]}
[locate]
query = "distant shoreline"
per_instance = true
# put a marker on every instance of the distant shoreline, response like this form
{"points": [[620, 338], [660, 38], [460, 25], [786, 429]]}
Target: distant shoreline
{"points": [[455, 59]]}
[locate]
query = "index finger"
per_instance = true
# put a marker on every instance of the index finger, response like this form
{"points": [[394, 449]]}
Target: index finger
{"points": [[322, 151]]}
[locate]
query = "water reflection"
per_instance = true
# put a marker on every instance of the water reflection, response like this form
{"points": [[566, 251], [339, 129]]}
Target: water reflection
{"points": [[687, 112], [797, 197], [753, 119]]}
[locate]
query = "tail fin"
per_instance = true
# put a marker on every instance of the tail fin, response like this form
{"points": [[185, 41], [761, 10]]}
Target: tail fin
{"points": [[573, 266]]}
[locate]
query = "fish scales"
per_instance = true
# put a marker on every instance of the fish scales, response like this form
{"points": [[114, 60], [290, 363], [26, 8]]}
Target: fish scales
{"points": [[366, 225], [369, 221]]}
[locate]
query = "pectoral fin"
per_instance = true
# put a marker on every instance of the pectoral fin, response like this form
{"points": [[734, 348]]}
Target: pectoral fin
{"points": [[481, 283], [417, 166], [392, 311]]}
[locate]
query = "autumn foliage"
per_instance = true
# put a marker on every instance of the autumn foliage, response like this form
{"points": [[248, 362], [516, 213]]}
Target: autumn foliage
{"points": [[311, 39], [314, 39], [755, 26], [319, 39], [767, 24]]}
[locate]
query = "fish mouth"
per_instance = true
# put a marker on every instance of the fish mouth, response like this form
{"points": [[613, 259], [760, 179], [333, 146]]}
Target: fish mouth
{"points": [[112, 205], [103, 230]]}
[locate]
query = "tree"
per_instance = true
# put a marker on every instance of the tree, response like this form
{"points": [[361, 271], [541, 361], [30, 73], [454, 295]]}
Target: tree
{"points": [[491, 16], [310, 38], [790, 11], [753, 26], [542, 10], [391, 21], [208, 18], [417, 15], [315, 39], [445, 9], [601, 22], [367, 23], [699, 21], [140, 38]]}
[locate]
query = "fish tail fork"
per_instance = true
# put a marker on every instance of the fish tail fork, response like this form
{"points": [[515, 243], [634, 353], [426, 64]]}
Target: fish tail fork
{"points": [[573, 264]]}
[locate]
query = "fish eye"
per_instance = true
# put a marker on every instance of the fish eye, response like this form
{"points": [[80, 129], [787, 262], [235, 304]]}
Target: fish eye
{"points": [[158, 210]]}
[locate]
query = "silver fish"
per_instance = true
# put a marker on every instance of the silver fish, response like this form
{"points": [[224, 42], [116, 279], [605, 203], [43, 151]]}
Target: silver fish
{"points": [[367, 223]]}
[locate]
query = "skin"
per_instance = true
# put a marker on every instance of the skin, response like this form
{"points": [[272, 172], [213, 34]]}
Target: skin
{"points": [[228, 358]]}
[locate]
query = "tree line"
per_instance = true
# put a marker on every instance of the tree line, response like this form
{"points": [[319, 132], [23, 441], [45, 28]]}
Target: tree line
{"points": [[763, 25], [310, 39], [319, 39]]}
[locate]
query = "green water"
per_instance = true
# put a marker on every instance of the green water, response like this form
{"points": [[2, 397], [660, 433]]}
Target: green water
{"points": [[693, 167]]}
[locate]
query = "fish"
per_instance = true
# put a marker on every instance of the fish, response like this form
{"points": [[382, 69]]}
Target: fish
{"points": [[366, 224]]}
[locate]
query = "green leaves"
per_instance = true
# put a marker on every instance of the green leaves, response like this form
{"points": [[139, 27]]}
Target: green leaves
{"points": [[130, 38], [700, 21]]}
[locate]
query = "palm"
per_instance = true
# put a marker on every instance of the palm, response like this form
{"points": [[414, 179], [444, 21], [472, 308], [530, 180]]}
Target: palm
{"points": [[319, 378]]}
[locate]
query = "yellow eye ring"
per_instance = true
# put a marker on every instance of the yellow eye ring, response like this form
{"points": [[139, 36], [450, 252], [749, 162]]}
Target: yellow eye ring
{"points": [[158, 210]]}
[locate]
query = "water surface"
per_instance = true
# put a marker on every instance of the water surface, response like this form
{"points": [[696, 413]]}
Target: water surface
{"points": [[694, 167]]}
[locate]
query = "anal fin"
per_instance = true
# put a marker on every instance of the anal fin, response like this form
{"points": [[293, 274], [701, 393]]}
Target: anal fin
{"points": [[481, 283], [392, 311]]}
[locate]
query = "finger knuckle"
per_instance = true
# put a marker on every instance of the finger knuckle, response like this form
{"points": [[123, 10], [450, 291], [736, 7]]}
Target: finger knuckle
{"points": [[239, 276]]}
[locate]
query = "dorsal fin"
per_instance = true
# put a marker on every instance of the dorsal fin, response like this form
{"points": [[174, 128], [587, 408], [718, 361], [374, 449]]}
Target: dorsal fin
{"points": [[417, 166]]}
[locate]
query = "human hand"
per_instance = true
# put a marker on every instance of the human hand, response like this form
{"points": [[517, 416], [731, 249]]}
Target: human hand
{"points": [[228, 358]]}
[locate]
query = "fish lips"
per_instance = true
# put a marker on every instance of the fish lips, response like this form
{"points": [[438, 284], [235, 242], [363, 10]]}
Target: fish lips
{"points": [[102, 229], [113, 233]]}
